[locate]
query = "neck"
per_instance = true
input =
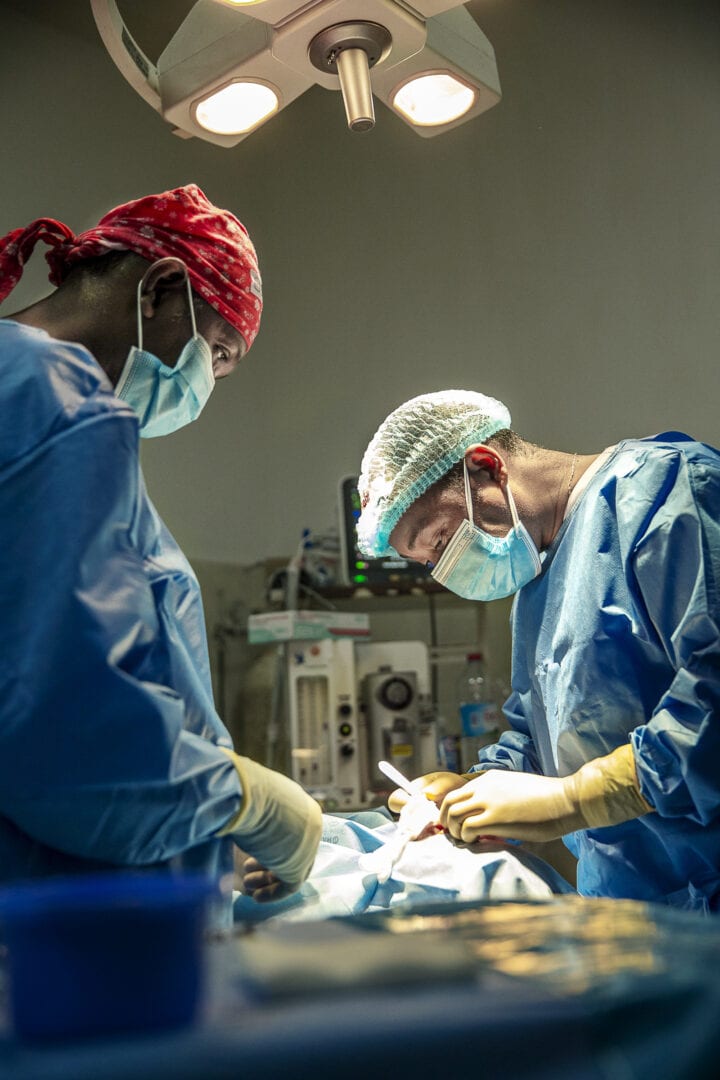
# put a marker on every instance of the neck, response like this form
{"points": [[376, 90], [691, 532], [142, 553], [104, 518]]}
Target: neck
{"points": [[78, 322], [579, 463], [542, 483]]}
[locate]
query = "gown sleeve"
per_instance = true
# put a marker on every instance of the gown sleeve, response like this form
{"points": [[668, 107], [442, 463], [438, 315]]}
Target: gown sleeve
{"points": [[676, 568], [95, 760]]}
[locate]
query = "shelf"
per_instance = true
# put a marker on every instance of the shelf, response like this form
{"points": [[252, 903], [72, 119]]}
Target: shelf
{"points": [[379, 597]]}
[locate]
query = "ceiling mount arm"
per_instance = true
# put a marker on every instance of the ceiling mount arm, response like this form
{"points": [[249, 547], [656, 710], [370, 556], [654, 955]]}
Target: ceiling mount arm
{"points": [[349, 50], [129, 58]]}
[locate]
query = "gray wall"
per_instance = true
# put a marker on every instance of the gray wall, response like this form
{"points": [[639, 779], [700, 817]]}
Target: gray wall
{"points": [[561, 252]]}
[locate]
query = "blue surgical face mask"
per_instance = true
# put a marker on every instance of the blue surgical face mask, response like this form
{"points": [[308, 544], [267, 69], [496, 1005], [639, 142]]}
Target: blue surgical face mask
{"points": [[479, 566], [166, 398]]}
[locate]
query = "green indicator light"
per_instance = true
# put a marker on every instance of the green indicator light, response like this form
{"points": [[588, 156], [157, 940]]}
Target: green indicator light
{"points": [[360, 578], [361, 566]]}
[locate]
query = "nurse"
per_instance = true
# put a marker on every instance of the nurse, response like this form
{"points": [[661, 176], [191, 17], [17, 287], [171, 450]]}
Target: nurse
{"points": [[614, 740], [111, 751]]}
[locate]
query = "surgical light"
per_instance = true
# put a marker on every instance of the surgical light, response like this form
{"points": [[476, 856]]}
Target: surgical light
{"points": [[237, 108], [233, 64], [433, 99]]}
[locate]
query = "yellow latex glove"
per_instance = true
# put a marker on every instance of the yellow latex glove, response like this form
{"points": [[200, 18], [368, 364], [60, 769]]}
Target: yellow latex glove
{"points": [[524, 806], [434, 786], [279, 823]]}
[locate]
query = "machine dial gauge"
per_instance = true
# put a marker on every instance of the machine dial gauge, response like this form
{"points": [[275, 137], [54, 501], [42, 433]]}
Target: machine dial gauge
{"points": [[396, 693]]}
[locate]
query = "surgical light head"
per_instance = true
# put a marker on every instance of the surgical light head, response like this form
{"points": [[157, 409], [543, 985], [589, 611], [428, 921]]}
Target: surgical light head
{"points": [[231, 65]]}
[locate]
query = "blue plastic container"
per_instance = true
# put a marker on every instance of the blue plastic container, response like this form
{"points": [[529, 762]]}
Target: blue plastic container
{"points": [[104, 954]]}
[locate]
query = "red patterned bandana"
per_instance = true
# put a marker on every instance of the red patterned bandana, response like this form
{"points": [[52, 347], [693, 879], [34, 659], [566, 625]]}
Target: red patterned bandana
{"points": [[212, 243]]}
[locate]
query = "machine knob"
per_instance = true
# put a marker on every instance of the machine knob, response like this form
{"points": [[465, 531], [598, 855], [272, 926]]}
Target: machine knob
{"points": [[345, 709], [347, 750]]}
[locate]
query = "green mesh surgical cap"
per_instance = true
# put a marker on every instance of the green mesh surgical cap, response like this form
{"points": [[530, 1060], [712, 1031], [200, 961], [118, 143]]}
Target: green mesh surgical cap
{"points": [[412, 449]]}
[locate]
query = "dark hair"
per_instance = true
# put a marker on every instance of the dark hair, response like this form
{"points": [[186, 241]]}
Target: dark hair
{"points": [[507, 440], [100, 264]]}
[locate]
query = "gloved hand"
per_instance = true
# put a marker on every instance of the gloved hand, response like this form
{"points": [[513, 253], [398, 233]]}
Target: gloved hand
{"points": [[524, 806], [279, 823], [434, 786]]}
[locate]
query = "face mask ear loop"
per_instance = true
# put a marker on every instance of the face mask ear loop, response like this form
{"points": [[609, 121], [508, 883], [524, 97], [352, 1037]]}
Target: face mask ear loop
{"points": [[468, 498], [139, 315], [192, 308], [511, 504]]}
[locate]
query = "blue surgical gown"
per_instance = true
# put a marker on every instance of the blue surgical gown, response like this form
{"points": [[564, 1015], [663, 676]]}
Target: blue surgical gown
{"points": [[109, 741], [618, 640]]}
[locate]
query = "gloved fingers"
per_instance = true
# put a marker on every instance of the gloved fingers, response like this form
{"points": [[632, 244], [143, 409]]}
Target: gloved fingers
{"points": [[486, 827], [510, 805], [459, 801], [476, 827], [466, 821], [397, 800], [478, 824], [471, 812], [440, 784], [434, 786]]}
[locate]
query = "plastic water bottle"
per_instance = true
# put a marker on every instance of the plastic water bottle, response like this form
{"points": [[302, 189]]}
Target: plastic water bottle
{"points": [[479, 715], [448, 747]]}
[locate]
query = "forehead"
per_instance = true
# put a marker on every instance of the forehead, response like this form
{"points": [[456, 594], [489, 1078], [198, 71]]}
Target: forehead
{"points": [[423, 514], [412, 520]]}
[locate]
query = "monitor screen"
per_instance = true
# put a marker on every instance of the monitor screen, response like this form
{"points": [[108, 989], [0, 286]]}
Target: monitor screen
{"points": [[357, 568]]}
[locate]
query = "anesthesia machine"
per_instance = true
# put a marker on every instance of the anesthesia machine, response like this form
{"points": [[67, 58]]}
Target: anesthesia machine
{"points": [[352, 703]]}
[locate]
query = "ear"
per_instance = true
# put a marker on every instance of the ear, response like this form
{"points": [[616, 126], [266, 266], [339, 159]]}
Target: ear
{"points": [[165, 276], [480, 457]]}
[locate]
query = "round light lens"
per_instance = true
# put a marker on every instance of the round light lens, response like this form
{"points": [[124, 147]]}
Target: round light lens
{"points": [[434, 99], [237, 108]]}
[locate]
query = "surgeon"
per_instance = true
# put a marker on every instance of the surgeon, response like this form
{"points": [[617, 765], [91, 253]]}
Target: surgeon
{"points": [[111, 751], [614, 560]]}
